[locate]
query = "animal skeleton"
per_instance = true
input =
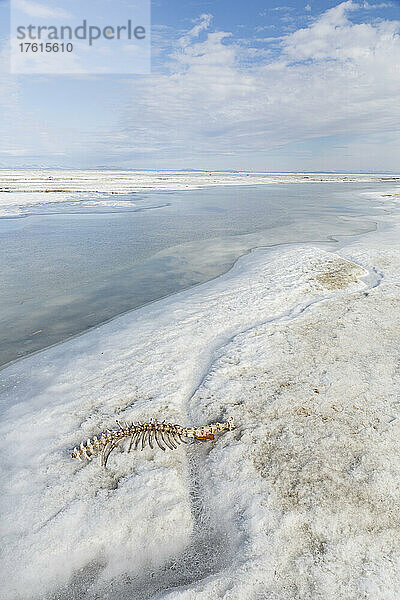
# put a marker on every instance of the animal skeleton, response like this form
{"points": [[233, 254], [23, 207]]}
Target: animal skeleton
{"points": [[163, 434]]}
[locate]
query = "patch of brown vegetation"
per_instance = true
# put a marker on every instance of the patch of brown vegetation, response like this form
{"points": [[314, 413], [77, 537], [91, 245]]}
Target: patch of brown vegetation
{"points": [[339, 275]]}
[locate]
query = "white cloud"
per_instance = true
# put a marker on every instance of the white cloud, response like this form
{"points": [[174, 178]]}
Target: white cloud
{"points": [[40, 11], [9, 97], [331, 78], [369, 6], [226, 104], [283, 8], [25, 132], [203, 23]]}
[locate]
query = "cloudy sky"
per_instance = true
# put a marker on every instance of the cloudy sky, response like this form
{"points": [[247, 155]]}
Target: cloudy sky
{"points": [[255, 86]]}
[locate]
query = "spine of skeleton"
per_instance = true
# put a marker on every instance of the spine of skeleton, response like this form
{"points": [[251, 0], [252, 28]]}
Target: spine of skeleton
{"points": [[164, 435]]}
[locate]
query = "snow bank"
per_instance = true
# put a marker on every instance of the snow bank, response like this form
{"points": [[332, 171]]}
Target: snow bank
{"points": [[300, 346], [16, 204]]}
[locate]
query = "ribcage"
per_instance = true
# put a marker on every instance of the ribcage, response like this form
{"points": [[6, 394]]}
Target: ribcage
{"points": [[139, 435]]}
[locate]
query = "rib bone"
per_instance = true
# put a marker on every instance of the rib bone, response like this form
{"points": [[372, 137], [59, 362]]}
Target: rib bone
{"points": [[142, 433]]}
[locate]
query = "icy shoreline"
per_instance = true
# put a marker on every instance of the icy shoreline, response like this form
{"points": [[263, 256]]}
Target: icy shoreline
{"points": [[300, 346], [22, 189]]}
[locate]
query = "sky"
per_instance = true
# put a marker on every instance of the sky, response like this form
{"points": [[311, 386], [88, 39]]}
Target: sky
{"points": [[260, 86]]}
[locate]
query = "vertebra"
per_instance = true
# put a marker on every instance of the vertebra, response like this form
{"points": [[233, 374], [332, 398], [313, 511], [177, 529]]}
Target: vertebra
{"points": [[163, 434]]}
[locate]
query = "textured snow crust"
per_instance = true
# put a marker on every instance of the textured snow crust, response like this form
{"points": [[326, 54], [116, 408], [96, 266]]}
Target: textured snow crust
{"points": [[301, 346]]}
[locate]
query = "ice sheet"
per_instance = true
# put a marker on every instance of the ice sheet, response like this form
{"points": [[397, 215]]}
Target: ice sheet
{"points": [[24, 188]]}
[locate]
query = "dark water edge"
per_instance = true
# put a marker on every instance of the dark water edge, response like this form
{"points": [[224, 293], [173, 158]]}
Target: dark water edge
{"points": [[65, 270]]}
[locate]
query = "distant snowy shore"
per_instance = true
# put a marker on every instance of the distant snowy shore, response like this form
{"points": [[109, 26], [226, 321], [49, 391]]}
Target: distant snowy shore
{"points": [[301, 346], [21, 189]]}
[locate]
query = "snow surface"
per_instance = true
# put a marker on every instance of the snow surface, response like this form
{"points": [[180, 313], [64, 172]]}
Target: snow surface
{"points": [[16, 204], [22, 189], [301, 501]]}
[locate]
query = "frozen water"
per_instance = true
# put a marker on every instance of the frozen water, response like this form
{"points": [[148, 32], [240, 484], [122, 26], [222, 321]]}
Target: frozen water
{"points": [[69, 266], [300, 345]]}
